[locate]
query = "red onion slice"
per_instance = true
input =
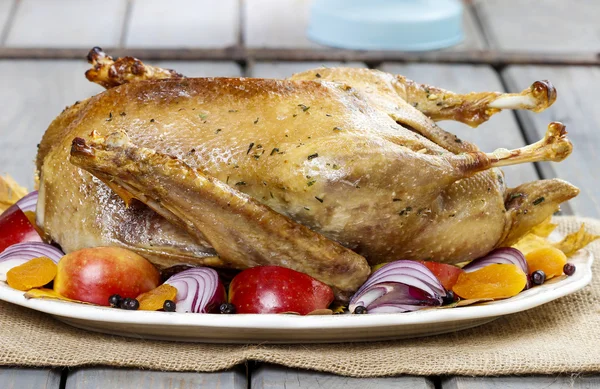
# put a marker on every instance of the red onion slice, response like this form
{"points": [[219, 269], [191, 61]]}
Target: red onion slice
{"points": [[399, 286], [407, 272], [19, 253], [199, 290], [503, 255], [28, 202]]}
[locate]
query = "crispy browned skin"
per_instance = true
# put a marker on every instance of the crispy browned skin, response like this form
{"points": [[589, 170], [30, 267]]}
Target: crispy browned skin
{"points": [[355, 166], [394, 93], [243, 231]]}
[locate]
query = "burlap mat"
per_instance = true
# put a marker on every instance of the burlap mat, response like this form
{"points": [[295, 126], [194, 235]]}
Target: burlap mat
{"points": [[559, 337]]}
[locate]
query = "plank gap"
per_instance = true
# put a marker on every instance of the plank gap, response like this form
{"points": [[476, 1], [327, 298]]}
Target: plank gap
{"points": [[63, 378], [126, 23], [485, 36], [241, 23], [519, 122], [9, 22]]}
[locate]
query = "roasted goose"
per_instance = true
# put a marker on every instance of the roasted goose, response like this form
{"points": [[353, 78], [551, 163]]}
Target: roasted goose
{"points": [[327, 172]]}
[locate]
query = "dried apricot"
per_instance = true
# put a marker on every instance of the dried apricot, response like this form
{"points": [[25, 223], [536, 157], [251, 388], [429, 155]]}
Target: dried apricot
{"points": [[44, 293], [548, 259], [493, 281], [155, 299], [32, 274]]}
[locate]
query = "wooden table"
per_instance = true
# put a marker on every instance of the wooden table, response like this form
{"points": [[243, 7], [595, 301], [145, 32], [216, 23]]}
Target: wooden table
{"points": [[264, 38]]}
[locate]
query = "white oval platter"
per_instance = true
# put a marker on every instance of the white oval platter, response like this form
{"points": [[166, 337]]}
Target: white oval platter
{"points": [[214, 328]]}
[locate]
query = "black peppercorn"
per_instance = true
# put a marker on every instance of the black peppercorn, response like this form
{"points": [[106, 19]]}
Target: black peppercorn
{"points": [[538, 277], [115, 301], [169, 306], [130, 304], [569, 269], [448, 298], [360, 310], [227, 308]]}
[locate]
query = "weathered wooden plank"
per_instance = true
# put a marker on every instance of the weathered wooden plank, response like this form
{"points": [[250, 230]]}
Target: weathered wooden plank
{"points": [[283, 23], [277, 24], [550, 25], [104, 378], [535, 382], [33, 93], [202, 68], [273, 377], [501, 131], [576, 107], [286, 69], [5, 9], [24, 378], [67, 23], [473, 35], [185, 23]]}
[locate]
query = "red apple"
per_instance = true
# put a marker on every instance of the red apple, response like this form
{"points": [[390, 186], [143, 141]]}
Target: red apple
{"points": [[275, 289], [94, 274], [16, 228], [447, 274]]}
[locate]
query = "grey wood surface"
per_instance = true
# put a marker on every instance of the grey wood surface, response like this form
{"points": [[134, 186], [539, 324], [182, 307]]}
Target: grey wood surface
{"points": [[274, 377], [501, 130], [277, 24], [549, 25], [474, 37], [576, 106], [67, 23], [33, 93], [107, 378], [286, 69], [535, 382], [23, 378], [5, 9], [183, 23]]}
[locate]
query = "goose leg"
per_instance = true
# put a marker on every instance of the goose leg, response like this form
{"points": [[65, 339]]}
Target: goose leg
{"points": [[476, 107], [553, 147]]}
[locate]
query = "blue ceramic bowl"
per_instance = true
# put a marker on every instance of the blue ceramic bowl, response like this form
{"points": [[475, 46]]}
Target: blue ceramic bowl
{"points": [[404, 25]]}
